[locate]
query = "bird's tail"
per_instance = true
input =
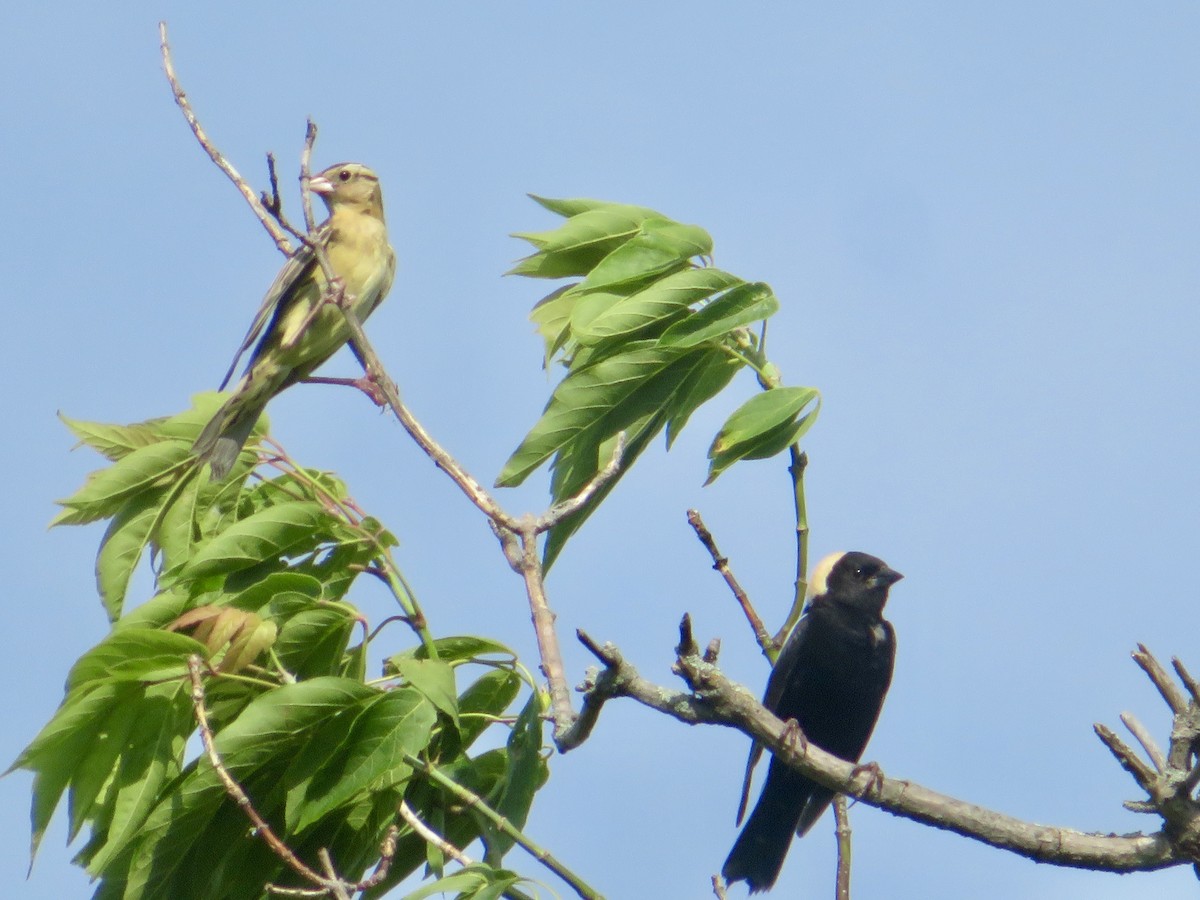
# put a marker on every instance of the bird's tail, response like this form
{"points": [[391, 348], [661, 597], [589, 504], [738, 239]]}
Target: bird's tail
{"points": [[758, 854], [227, 432]]}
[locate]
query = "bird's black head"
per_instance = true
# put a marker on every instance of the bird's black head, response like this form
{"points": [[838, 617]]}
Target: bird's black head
{"points": [[853, 579]]}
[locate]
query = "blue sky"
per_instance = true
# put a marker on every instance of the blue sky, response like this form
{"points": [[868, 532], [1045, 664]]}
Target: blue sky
{"points": [[982, 223]]}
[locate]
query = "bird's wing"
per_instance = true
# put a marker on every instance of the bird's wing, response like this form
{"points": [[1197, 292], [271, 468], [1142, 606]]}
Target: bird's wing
{"points": [[298, 265], [785, 664]]}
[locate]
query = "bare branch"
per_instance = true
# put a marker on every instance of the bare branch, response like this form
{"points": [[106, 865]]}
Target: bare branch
{"points": [[721, 564], [1186, 677], [234, 790], [185, 106], [1138, 730], [713, 699], [1157, 674], [571, 505]]}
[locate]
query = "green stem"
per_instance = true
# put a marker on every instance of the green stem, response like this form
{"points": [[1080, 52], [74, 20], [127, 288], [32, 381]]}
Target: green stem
{"points": [[478, 804], [796, 469]]}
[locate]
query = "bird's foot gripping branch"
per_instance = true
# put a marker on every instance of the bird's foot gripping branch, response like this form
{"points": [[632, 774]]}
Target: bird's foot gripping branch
{"points": [[1170, 779]]}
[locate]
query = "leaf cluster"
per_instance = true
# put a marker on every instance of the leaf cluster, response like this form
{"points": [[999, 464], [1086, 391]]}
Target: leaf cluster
{"points": [[254, 576], [649, 333]]}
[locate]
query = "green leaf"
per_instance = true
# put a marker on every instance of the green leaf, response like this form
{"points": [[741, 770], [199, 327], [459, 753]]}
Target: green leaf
{"points": [[763, 426], [607, 395], [737, 307], [580, 243], [711, 373], [367, 755], [264, 536], [552, 316], [462, 648], [661, 247], [175, 854], [134, 654], [435, 679], [574, 207], [54, 754], [525, 774], [487, 698], [113, 441], [105, 491], [95, 765], [177, 533], [122, 546], [151, 758], [615, 316], [313, 639], [669, 397]]}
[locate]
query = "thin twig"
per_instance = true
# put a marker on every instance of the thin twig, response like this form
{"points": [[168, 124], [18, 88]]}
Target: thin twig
{"points": [[181, 100], [1138, 730], [841, 817], [1186, 677], [310, 138], [477, 803], [721, 564], [234, 790], [571, 505], [1158, 675], [432, 837]]}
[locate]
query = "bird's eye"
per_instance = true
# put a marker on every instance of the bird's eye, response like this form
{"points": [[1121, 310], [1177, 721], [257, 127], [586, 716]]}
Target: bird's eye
{"points": [[344, 175]]}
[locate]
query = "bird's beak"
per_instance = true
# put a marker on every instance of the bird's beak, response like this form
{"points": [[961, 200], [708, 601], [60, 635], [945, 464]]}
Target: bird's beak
{"points": [[319, 184], [886, 577]]}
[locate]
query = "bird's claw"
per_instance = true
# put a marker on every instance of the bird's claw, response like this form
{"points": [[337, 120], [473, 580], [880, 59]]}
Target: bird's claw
{"points": [[793, 737], [369, 386], [873, 783]]}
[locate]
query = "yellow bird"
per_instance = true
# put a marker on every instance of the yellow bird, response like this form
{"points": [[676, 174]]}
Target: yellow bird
{"points": [[301, 332]]}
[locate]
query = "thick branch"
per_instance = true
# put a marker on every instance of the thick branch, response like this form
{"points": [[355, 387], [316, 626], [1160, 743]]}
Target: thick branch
{"points": [[715, 700]]}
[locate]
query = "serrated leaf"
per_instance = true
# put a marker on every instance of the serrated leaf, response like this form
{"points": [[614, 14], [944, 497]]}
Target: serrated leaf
{"points": [[735, 308], [661, 247], [105, 491], [264, 536], [176, 532], [763, 426], [94, 767]]}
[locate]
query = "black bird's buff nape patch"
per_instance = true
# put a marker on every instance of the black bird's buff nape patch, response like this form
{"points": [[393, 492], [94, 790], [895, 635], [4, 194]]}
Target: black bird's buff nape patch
{"points": [[830, 678]]}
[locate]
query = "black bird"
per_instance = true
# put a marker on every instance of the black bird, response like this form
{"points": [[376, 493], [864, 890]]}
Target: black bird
{"points": [[831, 678]]}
